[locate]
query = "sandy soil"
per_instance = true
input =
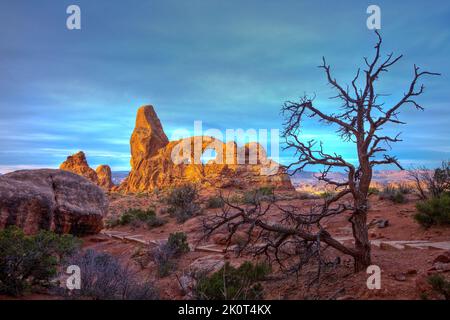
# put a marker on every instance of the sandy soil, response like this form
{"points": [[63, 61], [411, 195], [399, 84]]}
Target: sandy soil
{"points": [[404, 272]]}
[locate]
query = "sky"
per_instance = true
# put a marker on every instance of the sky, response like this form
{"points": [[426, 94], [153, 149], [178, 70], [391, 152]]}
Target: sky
{"points": [[230, 64]]}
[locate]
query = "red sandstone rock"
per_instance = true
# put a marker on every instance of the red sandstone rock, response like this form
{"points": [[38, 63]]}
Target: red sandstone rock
{"points": [[104, 177], [54, 200], [158, 163], [77, 164]]}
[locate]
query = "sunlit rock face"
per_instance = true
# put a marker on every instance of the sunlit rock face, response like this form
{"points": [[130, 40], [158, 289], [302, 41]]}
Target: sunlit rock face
{"points": [[54, 200], [104, 177], [78, 164], [158, 163]]}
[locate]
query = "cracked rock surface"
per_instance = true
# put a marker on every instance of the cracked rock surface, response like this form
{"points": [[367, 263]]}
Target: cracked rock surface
{"points": [[54, 200]]}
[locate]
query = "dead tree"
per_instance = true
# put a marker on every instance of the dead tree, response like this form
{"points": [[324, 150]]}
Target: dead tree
{"points": [[431, 183], [360, 121]]}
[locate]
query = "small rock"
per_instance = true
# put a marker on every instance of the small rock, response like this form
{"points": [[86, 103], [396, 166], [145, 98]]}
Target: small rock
{"points": [[206, 265], [441, 267], [400, 277], [411, 272], [187, 283], [443, 258], [383, 223]]}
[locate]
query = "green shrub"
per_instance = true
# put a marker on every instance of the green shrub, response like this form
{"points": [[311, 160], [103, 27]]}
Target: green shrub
{"points": [[327, 194], [215, 202], [163, 257], [183, 202], [178, 242], [231, 283], [112, 222], [257, 195], [435, 211], [303, 195], [393, 194], [236, 199], [137, 217], [154, 221], [374, 191], [399, 197], [31, 260], [165, 254], [404, 188], [266, 190], [440, 285]]}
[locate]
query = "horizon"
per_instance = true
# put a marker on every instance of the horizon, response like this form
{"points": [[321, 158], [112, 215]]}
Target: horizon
{"points": [[64, 91]]}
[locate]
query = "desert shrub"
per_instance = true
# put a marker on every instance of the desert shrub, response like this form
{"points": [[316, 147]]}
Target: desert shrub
{"points": [[137, 217], [104, 278], [374, 191], [327, 194], [31, 260], [178, 242], [440, 285], [303, 195], [255, 196], [112, 222], [393, 194], [215, 202], [165, 255], [236, 199], [183, 202], [434, 211], [154, 221], [404, 188], [431, 183], [266, 190], [231, 283]]}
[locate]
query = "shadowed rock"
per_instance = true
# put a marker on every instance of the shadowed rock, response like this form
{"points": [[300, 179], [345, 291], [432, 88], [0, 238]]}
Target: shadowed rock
{"points": [[54, 200]]}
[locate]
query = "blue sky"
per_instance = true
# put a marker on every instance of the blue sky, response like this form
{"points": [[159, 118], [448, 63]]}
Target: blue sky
{"points": [[230, 64]]}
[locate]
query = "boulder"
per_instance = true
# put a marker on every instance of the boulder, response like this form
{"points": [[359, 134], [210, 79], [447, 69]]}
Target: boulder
{"points": [[443, 258], [206, 265], [54, 200], [78, 164], [104, 177]]}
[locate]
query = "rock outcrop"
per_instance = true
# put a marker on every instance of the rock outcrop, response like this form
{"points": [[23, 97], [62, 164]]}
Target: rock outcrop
{"points": [[158, 163], [104, 177], [54, 200], [148, 136], [78, 164]]}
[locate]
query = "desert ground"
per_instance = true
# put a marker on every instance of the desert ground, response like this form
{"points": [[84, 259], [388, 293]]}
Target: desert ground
{"points": [[404, 267]]}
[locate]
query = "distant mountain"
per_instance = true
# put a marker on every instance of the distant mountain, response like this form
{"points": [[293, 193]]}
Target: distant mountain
{"points": [[379, 176], [119, 176]]}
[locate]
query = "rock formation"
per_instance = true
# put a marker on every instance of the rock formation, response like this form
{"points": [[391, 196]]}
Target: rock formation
{"points": [[148, 136], [158, 163], [54, 200], [104, 177], [77, 164]]}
